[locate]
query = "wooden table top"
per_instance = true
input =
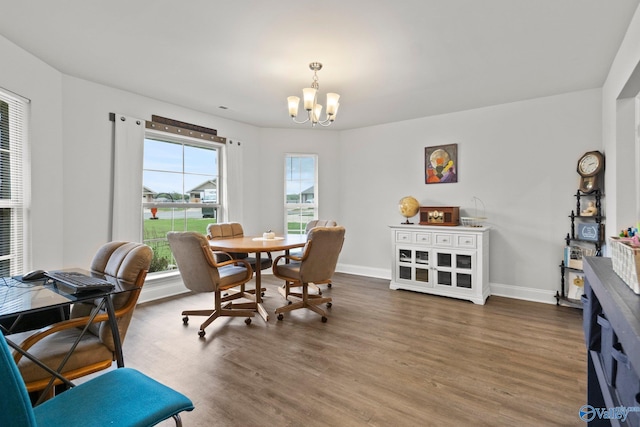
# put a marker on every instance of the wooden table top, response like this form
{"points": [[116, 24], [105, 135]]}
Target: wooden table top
{"points": [[258, 244]]}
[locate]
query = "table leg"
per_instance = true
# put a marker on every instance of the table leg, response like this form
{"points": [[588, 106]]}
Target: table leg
{"points": [[260, 309], [115, 332]]}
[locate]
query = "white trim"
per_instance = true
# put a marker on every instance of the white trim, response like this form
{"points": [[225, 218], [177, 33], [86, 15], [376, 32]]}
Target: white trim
{"points": [[170, 284], [523, 293], [158, 286]]}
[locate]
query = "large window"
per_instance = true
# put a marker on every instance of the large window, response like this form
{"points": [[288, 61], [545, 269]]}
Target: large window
{"points": [[181, 191], [301, 191], [13, 125]]}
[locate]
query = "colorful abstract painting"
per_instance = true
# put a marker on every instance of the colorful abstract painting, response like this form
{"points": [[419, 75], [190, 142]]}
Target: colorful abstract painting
{"points": [[441, 164]]}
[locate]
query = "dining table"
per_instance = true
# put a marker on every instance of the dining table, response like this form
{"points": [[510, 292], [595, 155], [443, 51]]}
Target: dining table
{"points": [[259, 245]]}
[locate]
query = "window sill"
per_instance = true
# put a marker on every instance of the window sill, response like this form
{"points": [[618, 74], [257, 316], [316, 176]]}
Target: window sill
{"points": [[162, 285]]}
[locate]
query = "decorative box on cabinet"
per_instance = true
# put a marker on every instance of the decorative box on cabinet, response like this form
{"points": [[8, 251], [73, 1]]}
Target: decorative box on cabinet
{"points": [[611, 321], [441, 260]]}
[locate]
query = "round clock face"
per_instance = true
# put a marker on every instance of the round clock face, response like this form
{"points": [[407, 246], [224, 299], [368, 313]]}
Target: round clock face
{"points": [[588, 164]]}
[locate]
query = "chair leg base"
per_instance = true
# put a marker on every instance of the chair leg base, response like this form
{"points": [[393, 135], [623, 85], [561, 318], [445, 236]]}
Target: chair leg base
{"points": [[311, 303]]}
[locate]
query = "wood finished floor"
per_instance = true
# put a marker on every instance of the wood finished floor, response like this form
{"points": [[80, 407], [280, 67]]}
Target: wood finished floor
{"points": [[384, 358]]}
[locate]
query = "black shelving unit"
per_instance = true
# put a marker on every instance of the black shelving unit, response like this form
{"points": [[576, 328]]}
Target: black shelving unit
{"points": [[572, 238]]}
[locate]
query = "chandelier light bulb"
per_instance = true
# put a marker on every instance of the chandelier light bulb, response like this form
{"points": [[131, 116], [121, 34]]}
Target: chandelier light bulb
{"points": [[332, 103], [293, 101], [309, 96], [313, 109]]}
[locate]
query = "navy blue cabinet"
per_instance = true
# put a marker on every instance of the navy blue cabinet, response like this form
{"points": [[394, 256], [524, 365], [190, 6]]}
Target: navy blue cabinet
{"points": [[611, 320]]}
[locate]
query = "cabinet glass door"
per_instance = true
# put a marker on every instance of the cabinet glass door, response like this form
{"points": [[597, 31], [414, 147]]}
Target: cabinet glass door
{"points": [[454, 269]]}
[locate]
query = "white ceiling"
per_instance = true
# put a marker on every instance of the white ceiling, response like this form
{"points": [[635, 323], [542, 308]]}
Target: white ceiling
{"points": [[389, 60]]}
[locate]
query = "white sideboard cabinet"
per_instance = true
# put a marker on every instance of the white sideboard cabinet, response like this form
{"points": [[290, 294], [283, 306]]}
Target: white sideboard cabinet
{"points": [[441, 260]]}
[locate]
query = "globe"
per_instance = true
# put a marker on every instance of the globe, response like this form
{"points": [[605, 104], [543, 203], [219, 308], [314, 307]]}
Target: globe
{"points": [[408, 207]]}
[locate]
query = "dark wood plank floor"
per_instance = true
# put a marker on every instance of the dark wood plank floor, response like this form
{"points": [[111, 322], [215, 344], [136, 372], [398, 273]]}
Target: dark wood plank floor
{"points": [[384, 358]]}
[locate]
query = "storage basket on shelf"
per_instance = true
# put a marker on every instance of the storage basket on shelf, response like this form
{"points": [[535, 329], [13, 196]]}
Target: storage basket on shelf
{"points": [[625, 258], [472, 221], [476, 220]]}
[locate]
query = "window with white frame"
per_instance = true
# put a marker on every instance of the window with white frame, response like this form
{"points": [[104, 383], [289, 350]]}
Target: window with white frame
{"points": [[181, 190], [301, 191], [13, 143]]}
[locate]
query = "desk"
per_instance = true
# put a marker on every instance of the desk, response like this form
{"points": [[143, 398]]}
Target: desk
{"points": [[18, 298], [258, 245]]}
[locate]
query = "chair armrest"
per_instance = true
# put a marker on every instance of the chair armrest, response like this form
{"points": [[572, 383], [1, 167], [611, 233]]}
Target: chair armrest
{"points": [[56, 327], [287, 257], [222, 255], [304, 256], [81, 321], [208, 253]]}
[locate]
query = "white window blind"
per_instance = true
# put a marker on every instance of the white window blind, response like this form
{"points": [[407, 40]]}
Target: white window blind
{"points": [[13, 143]]}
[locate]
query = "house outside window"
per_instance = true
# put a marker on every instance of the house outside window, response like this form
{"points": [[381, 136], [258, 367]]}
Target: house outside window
{"points": [[13, 141], [181, 191], [301, 191]]}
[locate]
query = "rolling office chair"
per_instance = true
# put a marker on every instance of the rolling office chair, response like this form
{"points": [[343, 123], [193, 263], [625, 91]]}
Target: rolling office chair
{"points": [[202, 273], [121, 397], [311, 224], [229, 230], [126, 262], [317, 264]]}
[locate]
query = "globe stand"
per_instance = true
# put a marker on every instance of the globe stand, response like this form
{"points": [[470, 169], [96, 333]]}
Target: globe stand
{"points": [[406, 222]]}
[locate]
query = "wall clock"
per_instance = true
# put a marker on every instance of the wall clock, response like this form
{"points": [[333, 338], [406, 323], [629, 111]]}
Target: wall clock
{"points": [[590, 168]]}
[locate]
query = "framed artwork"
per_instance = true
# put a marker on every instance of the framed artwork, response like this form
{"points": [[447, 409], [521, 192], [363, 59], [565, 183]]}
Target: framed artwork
{"points": [[441, 164]]}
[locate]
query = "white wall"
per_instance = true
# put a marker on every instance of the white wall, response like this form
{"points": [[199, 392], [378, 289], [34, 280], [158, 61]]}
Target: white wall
{"points": [[31, 78], [88, 137], [519, 158], [619, 140]]}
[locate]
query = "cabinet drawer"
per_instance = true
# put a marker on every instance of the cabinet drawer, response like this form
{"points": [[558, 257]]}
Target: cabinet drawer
{"points": [[403, 236], [424, 238], [465, 241], [443, 239]]}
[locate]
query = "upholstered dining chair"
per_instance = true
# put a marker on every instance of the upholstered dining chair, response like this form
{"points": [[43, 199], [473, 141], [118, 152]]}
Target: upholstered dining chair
{"points": [[229, 230], [125, 262], [121, 397], [317, 264], [202, 273], [311, 224]]}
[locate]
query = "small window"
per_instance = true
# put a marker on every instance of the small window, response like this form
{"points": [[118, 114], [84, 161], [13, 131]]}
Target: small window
{"points": [[301, 191]]}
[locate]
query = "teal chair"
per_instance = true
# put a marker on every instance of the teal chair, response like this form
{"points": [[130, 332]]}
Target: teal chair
{"points": [[121, 397]]}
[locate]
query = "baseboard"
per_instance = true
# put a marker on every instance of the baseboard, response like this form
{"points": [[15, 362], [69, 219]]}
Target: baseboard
{"points": [[526, 294], [162, 286], [498, 289], [379, 273]]}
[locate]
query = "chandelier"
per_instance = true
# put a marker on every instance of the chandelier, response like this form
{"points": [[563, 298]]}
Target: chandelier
{"points": [[313, 108]]}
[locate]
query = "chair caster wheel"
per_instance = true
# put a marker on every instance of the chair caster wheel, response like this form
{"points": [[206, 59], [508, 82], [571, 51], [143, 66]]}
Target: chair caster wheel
{"points": [[329, 305], [185, 320], [324, 319], [280, 316], [247, 320], [201, 333], [289, 302], [328, 285], [262, 294]]}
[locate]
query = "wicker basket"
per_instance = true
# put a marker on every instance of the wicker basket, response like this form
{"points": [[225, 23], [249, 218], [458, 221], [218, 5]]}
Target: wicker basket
{"points": [[626, 262], [472, 221]]}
